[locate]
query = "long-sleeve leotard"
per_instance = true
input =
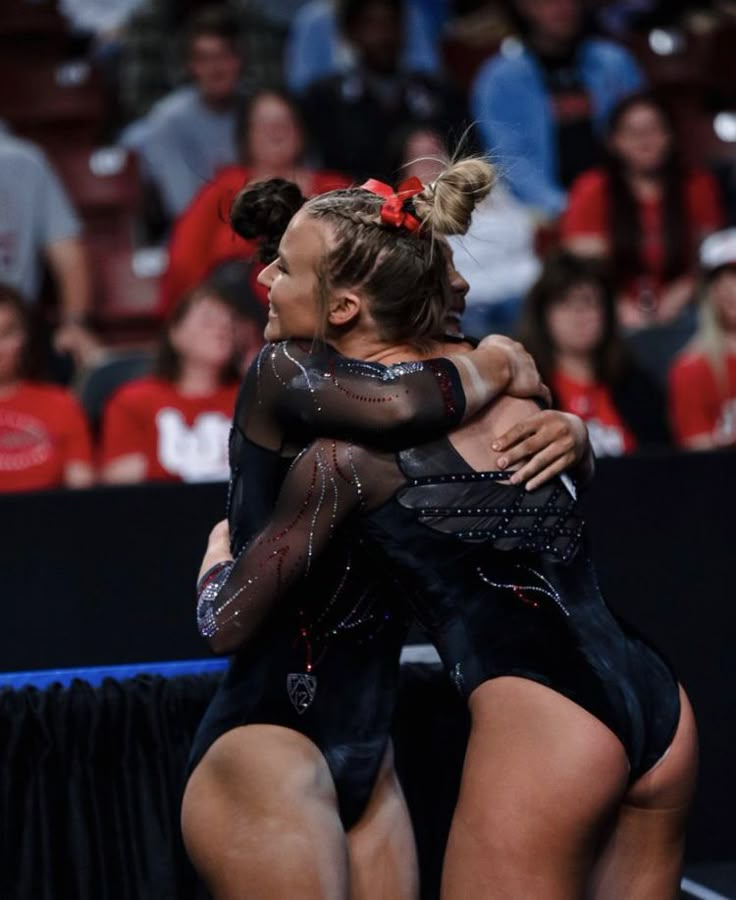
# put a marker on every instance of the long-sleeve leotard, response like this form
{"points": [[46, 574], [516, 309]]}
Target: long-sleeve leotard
{"points": [[296, 391], [498, 575], [341, 624]]}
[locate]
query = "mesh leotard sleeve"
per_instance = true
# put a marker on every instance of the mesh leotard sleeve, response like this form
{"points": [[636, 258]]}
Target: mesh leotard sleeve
{"points": [[321, 488], [310, 390]]}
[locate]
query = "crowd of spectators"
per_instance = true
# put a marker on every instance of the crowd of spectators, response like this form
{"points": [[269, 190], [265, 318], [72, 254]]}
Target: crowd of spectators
{"points": [[605, 245]]}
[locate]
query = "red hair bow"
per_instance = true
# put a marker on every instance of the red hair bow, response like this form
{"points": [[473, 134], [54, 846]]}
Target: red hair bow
{"points": [[392, 210]]}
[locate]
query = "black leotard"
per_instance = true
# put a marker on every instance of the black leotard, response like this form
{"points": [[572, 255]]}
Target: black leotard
{"points": [[326, 662], [500, 577]]}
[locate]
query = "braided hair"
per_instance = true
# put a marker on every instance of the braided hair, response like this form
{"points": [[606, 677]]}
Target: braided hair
{"points": [[400, 272]]}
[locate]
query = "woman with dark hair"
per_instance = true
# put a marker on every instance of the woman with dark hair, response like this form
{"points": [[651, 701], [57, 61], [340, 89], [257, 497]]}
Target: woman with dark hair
{"points": [[173, 425], [297, 738], [582, 754], [271, 144], [644, 212], [569, 326], [44, 436]]}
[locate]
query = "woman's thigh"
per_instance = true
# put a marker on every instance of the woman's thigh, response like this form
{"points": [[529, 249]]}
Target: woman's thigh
{"points": [[542, 780], [381, 848], [643, 857], [261, 809]]}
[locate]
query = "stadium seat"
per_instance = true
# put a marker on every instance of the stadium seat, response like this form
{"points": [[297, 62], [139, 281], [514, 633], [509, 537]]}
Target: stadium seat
{"points": [[98, 383], [126, 280], [469, 41], [721, 58], [102, 182], [30, 19], [669, 58], [707, 136], [41, 98]]}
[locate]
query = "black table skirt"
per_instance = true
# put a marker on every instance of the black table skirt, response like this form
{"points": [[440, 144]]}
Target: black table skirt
{"points": [[92, 779]]}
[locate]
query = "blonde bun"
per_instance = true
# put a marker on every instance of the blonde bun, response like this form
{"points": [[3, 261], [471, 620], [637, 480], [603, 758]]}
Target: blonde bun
{"points": [[446, 205]]}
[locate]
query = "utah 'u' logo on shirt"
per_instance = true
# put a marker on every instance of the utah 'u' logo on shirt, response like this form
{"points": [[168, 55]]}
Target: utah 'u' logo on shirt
{"points": [[196, 452]]}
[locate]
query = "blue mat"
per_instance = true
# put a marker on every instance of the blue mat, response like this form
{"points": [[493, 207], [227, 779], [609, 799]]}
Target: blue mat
{"points": [[46, 677], [43, 678]]}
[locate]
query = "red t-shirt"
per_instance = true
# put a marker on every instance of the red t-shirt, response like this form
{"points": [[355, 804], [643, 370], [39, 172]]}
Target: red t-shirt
{"points": [[587, 214], [182, 438], [699, 403], [593, 403], [42, 429], [202, 236]]}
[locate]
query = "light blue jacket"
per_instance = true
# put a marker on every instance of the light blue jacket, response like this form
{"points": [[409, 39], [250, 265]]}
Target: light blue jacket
{"points": [[510, 102]]}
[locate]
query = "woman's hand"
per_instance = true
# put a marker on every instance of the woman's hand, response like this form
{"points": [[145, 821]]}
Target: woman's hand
{"points": [[543, 445], [218, 548]]}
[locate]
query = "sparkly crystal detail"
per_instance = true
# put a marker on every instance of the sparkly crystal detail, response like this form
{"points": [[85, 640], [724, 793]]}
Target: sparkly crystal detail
{"points": [[543, 586], [456, 677], [446, 387], [207, 592], [286, 551], [542, 521], [398, 370]]}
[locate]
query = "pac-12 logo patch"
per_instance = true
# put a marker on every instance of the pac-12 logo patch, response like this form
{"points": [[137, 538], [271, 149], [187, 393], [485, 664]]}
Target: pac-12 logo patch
{"points": [[301, 688]]}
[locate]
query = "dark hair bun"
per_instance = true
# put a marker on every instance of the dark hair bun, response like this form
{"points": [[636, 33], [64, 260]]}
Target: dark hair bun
{"points": [[261, 211]]}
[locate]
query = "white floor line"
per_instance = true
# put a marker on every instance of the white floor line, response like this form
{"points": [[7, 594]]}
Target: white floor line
{"points": [[700, 891]]}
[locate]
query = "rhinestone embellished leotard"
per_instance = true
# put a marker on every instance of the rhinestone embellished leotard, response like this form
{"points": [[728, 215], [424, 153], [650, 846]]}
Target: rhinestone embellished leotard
{"points": [[500, 577], [326, 661]]}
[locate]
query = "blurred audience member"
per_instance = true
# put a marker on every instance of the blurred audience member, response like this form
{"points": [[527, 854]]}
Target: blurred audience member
{"points": [[420, 152], [190, 134], [703, 379], [496, 257], [352, 115], [150, 54], [569, 326], [319, 44], [44, 439], [645, 213], [38, 225], [233, 280], [621, 17], [175, 424], [542, 101], [97, 17], [271, 144]]}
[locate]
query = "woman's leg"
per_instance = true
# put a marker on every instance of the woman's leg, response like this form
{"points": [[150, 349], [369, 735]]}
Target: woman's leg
{"points": [[383, 860], [542, 779], [643, 857], [259, 819]]}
